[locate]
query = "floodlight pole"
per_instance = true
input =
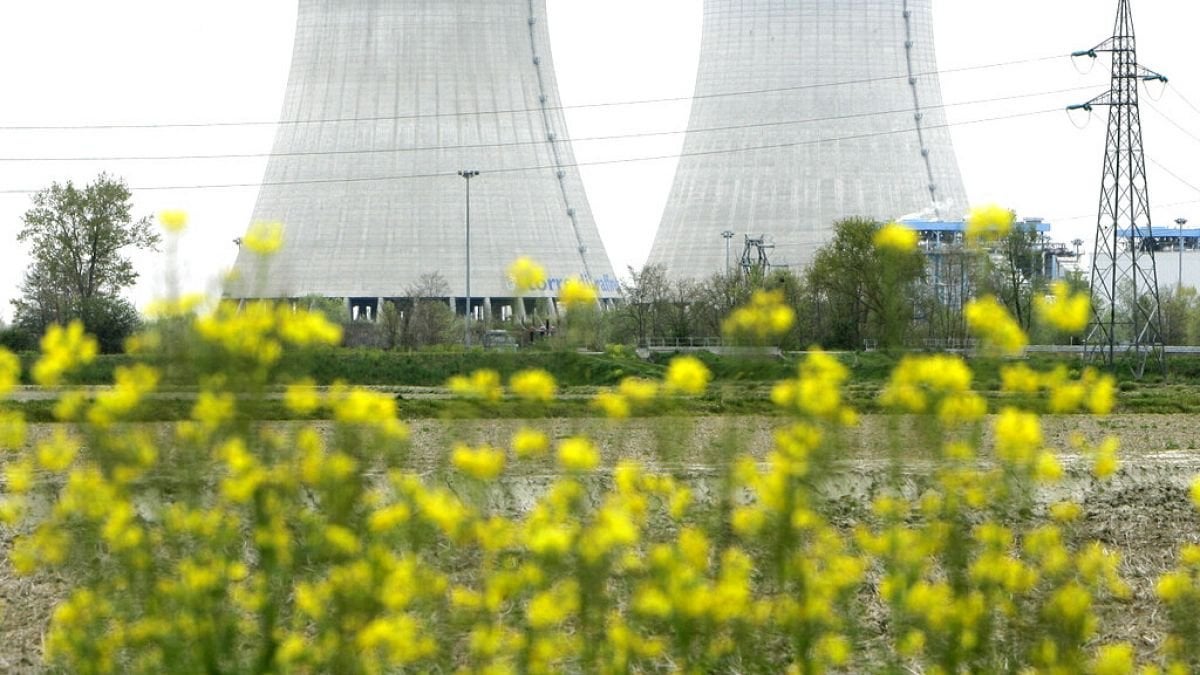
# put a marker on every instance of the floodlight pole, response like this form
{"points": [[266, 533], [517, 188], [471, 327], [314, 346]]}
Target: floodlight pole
{"points": [[728, 234], [467, 175], [1180, 222]]}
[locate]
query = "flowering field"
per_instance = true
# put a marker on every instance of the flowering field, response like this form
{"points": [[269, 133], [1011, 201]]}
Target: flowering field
{"points": [[943, 536]]}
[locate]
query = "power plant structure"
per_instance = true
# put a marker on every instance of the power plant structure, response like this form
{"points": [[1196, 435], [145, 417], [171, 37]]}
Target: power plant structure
{"points": [[405, 126], [807, 112]]}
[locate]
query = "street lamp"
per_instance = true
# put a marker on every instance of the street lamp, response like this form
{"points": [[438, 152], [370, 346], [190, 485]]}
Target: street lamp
{"points": [[1180, 222], [728, 234], [467, 175]]}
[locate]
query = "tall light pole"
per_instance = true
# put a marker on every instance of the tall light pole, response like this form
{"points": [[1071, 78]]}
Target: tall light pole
{"points": [[467, 175], [728, 234], [1180, 222]]}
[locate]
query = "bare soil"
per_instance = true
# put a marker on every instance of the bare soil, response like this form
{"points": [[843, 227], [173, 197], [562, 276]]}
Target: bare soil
{"points": [[1143, 510]]}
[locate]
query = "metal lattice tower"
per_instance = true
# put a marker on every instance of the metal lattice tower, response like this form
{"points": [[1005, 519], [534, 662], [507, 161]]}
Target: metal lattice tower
{"points": [[807, 112], [1125, 307]]}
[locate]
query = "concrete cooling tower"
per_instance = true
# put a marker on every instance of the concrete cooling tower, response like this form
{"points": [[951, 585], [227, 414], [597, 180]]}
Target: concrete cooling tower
{"points": [[386, 102], [807, 112]]}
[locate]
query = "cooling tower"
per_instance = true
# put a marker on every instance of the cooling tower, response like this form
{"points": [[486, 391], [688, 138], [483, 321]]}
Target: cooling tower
{"points": [[386, 102], [807, 112]]}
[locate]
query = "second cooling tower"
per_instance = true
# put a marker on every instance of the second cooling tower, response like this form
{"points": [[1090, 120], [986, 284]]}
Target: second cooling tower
{"points": [[386, 102], [807, 112]]}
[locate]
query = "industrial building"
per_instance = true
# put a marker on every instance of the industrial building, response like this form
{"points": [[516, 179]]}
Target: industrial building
{"points": [[386, 103], [807, 112]]}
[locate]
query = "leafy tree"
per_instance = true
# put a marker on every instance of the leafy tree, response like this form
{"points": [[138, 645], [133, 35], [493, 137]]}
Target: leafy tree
{"points": [[79, 239], [861, 291], [427, 319]]}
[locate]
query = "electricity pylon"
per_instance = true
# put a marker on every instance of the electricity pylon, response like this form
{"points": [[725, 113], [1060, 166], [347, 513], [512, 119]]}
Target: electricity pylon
{"points": [[1125, 309]]}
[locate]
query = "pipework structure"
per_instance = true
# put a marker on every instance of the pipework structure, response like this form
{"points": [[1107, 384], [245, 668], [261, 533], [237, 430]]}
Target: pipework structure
{"points": [[385, 104], [807, 112], [1126, 316]]}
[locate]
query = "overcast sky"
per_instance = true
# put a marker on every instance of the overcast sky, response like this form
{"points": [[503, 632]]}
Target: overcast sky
{"points": [[83, 62]]}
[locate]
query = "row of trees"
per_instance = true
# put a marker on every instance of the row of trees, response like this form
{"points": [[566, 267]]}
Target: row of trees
{"points": [[854, 294]]}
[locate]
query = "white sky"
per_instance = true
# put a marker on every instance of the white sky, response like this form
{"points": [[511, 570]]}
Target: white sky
{"points": [[82, 62]]}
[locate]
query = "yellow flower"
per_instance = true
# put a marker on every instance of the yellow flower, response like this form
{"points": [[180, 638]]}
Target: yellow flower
{"points": [[10, 371], [1173, 586], [173, 221], [482, 384], [578, 454], [1063, 309], [896, 237], [530, 443], [12, 430], [687, 375], [534, 385], [1066, 512], [63, 350], [1106, 459], [1114, 660], [766, 316], [19, 477], [1102, 392], [213, 410], [1018, 436], [991, 321], [614, 405], [264, 238], [989, 222], [302, 397], [1047, 469], [526, 275], [57, 453], [484, 463], [1195, 492], [577, 293], [638, 390]]}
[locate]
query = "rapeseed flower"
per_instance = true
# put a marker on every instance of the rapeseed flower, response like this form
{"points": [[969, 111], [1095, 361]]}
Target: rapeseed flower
{"points": [[534, 385], [612, 404], [481, 384], [1113, 660], [577, 293], [526, 275], [989, 223], [765, 317], [10, 371], [638, 390], [530, 443], [302, 397], [1064, 310], [173, 221], [264, 238], [988, 319], [687, 375], [896, 237], [578, 454], [483, 463], [63, 350], [13, 430]]}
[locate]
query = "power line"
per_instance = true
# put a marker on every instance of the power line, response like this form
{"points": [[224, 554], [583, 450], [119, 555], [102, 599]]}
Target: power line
{"points": [[1185, 100], [436, 148], [1174, 175], [609, 162], [513, 111], [1172, 122]]}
